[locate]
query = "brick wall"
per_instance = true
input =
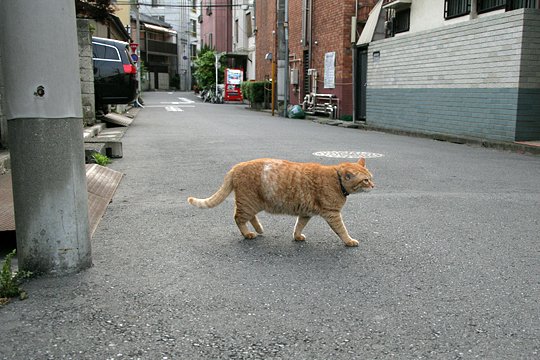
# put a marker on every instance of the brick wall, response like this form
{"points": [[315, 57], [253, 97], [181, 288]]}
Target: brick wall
{"points": [[331, 32], [331, 28], [466, 79], [266, 22], [296, 50]]}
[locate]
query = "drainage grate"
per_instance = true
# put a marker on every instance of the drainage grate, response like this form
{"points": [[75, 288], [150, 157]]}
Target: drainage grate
{"points": [[348, 154]]}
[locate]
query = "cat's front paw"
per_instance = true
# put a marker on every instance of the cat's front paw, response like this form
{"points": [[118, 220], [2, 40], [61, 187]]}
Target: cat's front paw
{"points": [[250, 235], [352, 243], [300, 237]]}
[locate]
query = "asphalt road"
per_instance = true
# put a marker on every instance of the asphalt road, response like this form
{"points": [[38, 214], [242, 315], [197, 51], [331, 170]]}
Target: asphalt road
{"points": [[448, 265]]}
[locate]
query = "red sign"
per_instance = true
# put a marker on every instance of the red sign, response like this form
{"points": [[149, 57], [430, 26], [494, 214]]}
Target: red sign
{"points": [[133, 46]]}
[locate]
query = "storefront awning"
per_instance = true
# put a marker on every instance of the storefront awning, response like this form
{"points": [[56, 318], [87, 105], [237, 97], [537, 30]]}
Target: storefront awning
{"points": [[159, 28], [369, 29]]}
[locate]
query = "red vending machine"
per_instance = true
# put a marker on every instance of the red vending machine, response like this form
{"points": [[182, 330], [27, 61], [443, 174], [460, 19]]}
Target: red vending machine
{"points": [[233, 79]]}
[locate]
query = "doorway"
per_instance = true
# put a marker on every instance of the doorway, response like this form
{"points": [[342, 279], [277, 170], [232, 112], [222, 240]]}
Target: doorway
{"points": [[361, 87]]}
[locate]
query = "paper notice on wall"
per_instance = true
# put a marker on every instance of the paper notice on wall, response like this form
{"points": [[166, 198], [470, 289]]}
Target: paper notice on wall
{"points": [[330, 70]]}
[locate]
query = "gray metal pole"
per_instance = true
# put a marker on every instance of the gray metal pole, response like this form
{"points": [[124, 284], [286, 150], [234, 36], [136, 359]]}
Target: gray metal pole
{"points": [[44, 113], [281, 56], [286, 34], [138, 41]]}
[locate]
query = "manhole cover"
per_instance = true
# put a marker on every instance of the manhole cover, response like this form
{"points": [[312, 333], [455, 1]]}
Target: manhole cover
{"points": [[348, 154]]}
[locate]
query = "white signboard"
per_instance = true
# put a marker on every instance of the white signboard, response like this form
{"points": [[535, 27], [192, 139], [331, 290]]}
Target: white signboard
{"points": [[330, 70]]}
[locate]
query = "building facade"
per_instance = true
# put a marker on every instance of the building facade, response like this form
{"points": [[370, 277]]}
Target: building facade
{"points": [[158, 51], [461, 68], [216, 24], [180, 16], [322, 38], [244, 28]]}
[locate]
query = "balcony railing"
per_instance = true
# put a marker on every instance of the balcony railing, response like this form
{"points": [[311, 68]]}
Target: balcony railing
{"points": [[396, 4], [162, 47]]}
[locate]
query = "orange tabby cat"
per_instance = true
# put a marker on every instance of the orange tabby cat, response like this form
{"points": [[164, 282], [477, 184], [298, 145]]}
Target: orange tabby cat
{"points": [[284, 187]]}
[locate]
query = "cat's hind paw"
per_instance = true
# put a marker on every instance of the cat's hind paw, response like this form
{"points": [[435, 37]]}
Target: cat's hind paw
{"points": [[300, 237], [351, 243]]}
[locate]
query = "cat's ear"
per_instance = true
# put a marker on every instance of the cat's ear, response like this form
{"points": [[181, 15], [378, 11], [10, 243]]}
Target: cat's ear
{"points": [[362, 161]]}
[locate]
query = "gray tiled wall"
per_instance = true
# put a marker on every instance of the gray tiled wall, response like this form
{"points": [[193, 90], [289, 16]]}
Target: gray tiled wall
{"points": [[480, 79]]}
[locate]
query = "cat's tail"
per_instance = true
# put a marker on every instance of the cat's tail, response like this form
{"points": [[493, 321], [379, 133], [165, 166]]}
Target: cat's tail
{"points": [[216, 199]]}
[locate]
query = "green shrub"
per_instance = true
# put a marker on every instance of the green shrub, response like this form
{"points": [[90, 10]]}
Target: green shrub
{"points": [[246, 90], [256, 91], [9, 282]]}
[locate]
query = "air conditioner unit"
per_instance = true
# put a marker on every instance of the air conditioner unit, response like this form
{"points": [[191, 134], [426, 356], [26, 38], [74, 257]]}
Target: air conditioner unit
{"points": [[200, 18]]}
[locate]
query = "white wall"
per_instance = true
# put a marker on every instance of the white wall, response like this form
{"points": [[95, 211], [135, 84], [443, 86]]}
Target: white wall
{"points": [[245, 43], [429, 14]]}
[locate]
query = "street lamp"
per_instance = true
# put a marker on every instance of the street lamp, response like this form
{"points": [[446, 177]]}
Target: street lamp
{"points": [[217, 56]]}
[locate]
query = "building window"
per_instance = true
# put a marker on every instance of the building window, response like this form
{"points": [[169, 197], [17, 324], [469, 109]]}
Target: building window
{"points": [[249, 27], [193, 51], [490, 5], [402, 20], [455, 8], [236, 30], [194, 6], [193, 28], [519, 4]]}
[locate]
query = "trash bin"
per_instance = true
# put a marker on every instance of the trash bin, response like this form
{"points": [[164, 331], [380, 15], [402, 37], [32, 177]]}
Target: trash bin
{"points": [[296, 112]]}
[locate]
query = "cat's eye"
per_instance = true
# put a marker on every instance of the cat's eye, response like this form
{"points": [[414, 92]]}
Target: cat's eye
{"points": [[348, 176]]}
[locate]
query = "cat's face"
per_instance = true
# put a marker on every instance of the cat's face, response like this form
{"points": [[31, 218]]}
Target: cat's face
{"points": [[355, 177]]}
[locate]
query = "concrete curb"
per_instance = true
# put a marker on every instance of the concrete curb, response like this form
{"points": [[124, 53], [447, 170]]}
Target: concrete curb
{"points": [[491, 144]]}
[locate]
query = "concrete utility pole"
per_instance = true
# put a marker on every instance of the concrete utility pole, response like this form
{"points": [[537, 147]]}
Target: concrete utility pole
{"points": [[40, 55]]}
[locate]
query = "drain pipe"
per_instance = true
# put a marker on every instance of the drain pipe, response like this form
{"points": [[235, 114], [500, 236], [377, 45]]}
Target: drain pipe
{"points": [[354, 61], [310, 34], [44, 115]]}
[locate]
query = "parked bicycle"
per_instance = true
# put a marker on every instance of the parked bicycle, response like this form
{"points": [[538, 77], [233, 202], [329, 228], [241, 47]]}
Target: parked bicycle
{"points": [[209, 95]]}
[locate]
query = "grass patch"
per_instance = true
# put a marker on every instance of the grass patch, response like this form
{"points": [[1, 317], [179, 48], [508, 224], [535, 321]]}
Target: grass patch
{"points": [[10, 281], [101, 159]]}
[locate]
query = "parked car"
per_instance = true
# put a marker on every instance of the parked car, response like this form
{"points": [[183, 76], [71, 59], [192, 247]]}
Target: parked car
{"points": [[115, 75]]}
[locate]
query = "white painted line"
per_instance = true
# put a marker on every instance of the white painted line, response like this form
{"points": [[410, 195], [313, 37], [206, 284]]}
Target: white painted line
{"points": [[186, 101], [348, 154], [173, 108], [164, 106]]}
